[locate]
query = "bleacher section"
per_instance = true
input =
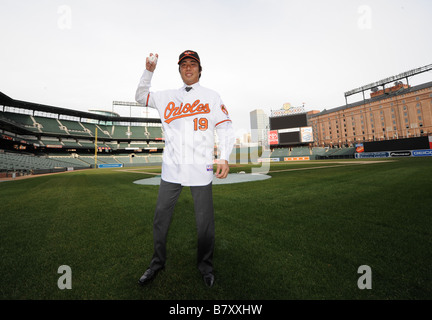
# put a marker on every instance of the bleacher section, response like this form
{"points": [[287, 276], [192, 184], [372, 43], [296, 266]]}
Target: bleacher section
{"points": [[75, 161], [34, 136], [76, 128], [86, 144], [102, 130], [137, 132], [280, 152], [50, 125], [50, 142], [68, 134], [154, 133], [127, 160], [81, 130], [139, 144], [319, 151], [21, 120], [300, 152], [24, 162], [70, 143], [338, 153], [156, 145], [121, 132]]}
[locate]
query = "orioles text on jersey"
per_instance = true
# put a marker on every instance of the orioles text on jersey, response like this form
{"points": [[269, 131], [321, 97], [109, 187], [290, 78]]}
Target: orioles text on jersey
{"points": [[172, 112]]}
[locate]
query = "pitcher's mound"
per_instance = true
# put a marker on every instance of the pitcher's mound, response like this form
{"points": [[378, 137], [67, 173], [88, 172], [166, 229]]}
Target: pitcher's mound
{"points": [[231, 178]]}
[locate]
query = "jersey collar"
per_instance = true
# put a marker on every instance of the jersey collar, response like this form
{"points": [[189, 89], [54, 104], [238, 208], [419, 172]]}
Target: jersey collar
{"points": [[194, 86]]}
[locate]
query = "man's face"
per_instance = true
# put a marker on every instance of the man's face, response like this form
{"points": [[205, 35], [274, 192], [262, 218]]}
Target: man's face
{"points": [[189, 71]]}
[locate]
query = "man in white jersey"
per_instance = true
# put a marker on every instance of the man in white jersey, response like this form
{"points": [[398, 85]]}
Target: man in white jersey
{"points": [[189, 117]]}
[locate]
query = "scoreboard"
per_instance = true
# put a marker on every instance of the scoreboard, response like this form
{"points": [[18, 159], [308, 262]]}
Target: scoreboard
{"points": [[289, 121], [290, 130]]}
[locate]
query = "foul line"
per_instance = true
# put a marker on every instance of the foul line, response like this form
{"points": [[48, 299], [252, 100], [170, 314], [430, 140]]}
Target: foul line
{"points": [[335, 166], [142, 172]]}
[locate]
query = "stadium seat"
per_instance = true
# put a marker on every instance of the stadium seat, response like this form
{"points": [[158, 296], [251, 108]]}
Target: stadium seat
{"points": [[50, 125]]}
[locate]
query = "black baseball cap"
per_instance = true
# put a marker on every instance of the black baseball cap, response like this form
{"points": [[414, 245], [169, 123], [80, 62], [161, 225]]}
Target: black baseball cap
{"points": [[189, 54]]}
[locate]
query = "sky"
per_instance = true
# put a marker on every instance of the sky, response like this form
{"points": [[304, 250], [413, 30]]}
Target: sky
{"points": [[257, 54]]}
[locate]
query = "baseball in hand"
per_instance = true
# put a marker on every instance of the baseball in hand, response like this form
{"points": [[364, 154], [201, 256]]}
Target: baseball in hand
{"points": [[152, 59]]}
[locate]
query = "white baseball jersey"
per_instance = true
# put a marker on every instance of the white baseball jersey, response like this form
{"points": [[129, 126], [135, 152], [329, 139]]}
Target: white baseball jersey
{"points": [[189, 120]]}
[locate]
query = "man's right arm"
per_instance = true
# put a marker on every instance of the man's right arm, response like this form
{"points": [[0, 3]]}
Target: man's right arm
{"points": [[142, 94]]}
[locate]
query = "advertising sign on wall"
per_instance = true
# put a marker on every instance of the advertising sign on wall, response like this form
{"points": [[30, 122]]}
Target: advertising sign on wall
{"points": [[306, 134], [273, 137]]}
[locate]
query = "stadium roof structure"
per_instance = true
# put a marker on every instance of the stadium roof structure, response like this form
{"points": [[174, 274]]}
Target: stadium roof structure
{"points": [[8, 101], [377, 98], [383, 82]]}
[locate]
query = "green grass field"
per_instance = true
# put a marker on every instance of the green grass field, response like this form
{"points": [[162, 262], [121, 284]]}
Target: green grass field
{"points": [[302, 234]]}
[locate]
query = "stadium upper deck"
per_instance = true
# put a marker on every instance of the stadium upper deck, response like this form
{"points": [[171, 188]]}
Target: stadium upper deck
{"points": [[30, 126]]}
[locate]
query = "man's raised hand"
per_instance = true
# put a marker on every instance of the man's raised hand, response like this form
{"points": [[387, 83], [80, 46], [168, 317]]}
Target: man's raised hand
{"points": [[151, 62]]}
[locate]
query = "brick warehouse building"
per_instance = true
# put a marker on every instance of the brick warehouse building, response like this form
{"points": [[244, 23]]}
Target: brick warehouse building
{"points": [[397, 112]]}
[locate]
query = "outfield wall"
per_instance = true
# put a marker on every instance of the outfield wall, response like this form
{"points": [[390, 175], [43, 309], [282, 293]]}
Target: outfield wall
{"points": [[415, 143], [395, 154]]}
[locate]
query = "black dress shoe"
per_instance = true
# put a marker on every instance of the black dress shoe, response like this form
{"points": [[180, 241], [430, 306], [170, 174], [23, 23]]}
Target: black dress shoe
{"points": [[147, 277], [208, 279]]}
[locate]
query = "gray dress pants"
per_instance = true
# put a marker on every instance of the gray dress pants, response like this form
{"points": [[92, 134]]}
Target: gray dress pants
{"points": [[204, 216]]}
